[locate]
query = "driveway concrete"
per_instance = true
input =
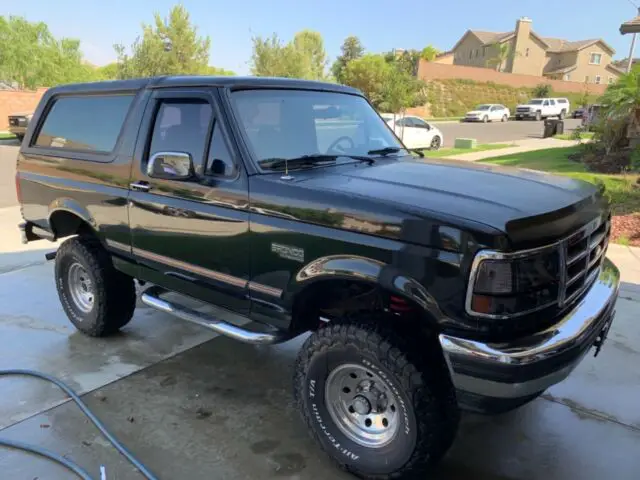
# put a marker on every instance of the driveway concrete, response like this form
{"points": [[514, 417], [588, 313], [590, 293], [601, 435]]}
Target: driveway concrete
{"points": [[8, 157], [497, 132]]}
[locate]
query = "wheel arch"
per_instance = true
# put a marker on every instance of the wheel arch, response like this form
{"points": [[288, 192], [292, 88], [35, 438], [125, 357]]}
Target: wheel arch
{"points": [[68, 217], [322, 275]]}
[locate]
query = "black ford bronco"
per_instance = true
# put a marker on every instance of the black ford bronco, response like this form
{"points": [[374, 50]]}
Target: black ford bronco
{"points": [[428, 286]]}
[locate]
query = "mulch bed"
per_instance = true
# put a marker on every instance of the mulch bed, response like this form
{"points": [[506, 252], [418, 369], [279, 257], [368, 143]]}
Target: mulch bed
{"points": [[626, 226]]}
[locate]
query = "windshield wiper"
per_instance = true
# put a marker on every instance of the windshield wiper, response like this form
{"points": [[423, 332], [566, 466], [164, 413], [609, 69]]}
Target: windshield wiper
{"points": [[384, 151], [309, 161]]}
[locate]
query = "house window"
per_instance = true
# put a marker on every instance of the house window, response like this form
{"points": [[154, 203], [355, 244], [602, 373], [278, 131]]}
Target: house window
{"points": [[526, 53], [598, 79], [595, 58], [567, 76]]}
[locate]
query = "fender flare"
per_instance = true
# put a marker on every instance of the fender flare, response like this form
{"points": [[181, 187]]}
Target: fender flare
{"points": [[357, 268], [72, 206]]}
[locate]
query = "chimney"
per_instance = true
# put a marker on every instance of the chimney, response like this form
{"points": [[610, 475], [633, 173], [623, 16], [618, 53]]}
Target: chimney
{"points": [[520, 44]]}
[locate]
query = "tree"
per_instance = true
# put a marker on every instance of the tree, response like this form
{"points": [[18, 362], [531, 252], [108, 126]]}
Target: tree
{"points": [[30, 56], [406, 61], [429, 53], [108, 72], [542, 90], [169, 46], [387, 86], [620, 111], [351, 50], [369, 74], [303, 57], [501, 54]]}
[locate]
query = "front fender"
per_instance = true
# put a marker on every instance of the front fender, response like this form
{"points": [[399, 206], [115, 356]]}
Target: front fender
{"points": [[363, 269]]}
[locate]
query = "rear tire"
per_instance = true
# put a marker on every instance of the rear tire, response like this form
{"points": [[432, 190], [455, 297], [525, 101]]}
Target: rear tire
{"points": [[505, 118], [98, 299], [359, 383], [436, 143]]}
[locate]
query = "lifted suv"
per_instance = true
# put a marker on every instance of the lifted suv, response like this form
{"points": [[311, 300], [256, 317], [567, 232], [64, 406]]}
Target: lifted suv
{"points": [[428, 286]]}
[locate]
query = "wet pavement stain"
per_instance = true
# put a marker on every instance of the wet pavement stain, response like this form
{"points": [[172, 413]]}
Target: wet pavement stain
{"points": [[264, 446], [285, 464], [585, 413]]}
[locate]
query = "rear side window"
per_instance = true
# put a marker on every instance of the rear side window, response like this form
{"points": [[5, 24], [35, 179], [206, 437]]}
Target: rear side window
{"points": [[84, 123], [562, 100]]}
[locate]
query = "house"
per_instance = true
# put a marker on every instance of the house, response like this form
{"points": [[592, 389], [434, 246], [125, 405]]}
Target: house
{"points": [[525, 52]]}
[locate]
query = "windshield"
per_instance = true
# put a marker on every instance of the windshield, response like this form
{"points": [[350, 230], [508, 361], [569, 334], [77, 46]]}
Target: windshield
{"points": [[535, 102], [287, 124], [483, 107]]}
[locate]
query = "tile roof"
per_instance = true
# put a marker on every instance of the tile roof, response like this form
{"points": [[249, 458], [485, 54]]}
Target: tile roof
{"points": [[490, 37], [632, 26], [556, 45], [560, 71]]}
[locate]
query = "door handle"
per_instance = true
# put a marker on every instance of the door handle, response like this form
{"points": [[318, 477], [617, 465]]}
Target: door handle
{"points": [[140, 186]]}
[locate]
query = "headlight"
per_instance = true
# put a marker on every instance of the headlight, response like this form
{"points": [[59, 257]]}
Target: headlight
{"points": [[503, 285]]}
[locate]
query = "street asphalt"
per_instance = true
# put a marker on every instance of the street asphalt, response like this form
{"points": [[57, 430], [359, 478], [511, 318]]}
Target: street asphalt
{"points": [[195, 406], [494, 132]]}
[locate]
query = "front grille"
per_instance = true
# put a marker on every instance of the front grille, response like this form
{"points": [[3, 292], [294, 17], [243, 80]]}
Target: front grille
{"points": [[584, 252], [522, 109]]}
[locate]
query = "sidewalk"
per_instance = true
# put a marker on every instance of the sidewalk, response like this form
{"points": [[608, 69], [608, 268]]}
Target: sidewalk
{"points": [[525, 145]]}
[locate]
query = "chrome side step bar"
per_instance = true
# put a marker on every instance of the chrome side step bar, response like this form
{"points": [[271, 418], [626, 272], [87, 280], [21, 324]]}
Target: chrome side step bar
{"points": [[151, 297]]}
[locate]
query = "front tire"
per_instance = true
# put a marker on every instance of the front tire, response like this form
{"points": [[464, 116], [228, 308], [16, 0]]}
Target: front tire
{"points": [[505, 118], [538, 116], [485, 119], [562, 114], [380, 403], [97, 298]]}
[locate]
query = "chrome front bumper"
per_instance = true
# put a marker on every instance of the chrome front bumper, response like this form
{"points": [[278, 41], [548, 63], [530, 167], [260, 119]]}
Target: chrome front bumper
{"points": [[532, 364]]}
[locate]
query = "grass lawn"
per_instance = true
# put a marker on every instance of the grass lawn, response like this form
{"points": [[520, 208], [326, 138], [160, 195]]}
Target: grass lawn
{"points": [[621, 189], [567, 136], [447, 152], [6, 136]]}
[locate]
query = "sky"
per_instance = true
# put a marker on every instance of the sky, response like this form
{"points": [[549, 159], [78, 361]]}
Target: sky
{"points": [[381, 25]]}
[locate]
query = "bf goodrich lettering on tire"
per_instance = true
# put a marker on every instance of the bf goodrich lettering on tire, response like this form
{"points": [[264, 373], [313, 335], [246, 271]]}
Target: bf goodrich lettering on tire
{"points": [[331, 438], [372, 366]]}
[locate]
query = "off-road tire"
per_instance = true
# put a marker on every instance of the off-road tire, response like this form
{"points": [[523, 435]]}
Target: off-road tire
{"points": [[114, 292], [416, 371]]}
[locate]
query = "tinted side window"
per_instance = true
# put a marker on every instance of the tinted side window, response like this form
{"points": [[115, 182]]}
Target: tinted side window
{"points": [[182, 126], [84, 123], [220, 161]]}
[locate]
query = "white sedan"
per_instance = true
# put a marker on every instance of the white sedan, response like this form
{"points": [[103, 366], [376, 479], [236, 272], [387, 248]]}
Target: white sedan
{"points": [[488, 112], [414, 131]]}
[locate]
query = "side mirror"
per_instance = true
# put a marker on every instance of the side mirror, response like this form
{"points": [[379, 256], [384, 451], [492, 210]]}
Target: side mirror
{"points": [[170, 166]]}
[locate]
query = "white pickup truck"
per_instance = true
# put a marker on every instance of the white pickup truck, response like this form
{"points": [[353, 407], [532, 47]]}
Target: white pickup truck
{"points": [[539, 108]]}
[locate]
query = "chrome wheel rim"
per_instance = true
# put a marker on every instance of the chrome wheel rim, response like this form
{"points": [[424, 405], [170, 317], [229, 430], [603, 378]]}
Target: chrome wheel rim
{"points": [[362, 405], [81, 288]]}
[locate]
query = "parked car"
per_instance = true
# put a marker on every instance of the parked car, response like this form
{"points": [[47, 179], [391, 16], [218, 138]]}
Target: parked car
{"points": [[414, 131], [427, 286], [539, 108], [18, 123], [488, 112], [579, 112]]}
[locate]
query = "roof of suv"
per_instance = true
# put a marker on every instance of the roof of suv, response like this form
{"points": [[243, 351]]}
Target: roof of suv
{"points": [[203, 81]]}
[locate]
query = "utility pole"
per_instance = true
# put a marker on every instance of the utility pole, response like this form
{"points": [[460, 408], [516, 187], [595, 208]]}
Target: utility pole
{"points": [[633, 46]]}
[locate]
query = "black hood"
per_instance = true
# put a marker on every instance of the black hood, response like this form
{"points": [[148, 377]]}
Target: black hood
{"points": [[516, 201]]}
